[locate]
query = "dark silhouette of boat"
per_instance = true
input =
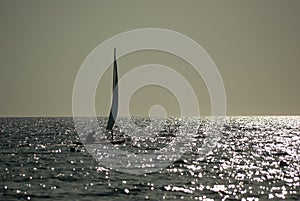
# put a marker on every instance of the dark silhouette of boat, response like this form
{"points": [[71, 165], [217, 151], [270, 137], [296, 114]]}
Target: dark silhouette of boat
{"points": [[91, 139], [114, 105]]}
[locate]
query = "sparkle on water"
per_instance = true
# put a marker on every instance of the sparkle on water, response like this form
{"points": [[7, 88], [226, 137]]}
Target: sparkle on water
{"points": [[256, 158]]}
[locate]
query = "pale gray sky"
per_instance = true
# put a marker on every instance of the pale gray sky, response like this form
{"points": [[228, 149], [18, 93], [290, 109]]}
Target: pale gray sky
{"points": [[255, 45]]}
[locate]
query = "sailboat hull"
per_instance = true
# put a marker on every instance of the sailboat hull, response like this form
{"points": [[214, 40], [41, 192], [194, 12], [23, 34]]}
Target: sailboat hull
{"points": [[118, 141]]}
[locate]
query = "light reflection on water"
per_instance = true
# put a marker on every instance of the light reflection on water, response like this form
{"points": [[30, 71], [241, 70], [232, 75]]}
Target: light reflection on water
{"points": [[257, 158]]}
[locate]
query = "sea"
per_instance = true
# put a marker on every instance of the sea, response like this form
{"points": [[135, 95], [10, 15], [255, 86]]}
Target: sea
{"points": [[246, 158]]}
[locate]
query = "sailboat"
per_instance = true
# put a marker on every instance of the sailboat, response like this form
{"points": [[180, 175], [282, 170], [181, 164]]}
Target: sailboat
{"points": [[114, 105]]}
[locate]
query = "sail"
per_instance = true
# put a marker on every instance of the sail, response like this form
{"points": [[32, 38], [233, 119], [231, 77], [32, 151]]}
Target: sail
{"points": [[115, 99]]}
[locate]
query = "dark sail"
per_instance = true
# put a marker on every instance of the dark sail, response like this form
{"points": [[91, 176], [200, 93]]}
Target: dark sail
{"points": [[115, 99]]}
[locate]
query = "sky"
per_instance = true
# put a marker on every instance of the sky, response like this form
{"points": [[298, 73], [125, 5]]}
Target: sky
{"points": [[254, 44]]}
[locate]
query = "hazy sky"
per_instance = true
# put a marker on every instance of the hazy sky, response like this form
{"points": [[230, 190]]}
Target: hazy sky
{"points": [[255, 45]]}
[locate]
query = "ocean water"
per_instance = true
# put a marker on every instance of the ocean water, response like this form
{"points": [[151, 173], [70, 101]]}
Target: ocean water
{"points": [[254, 158]]}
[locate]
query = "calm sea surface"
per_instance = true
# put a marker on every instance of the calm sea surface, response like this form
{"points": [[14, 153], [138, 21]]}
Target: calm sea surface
{"points": [[256, 158]]}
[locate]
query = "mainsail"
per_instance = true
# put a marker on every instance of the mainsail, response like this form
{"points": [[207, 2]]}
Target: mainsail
{"points": [[115, 99]]}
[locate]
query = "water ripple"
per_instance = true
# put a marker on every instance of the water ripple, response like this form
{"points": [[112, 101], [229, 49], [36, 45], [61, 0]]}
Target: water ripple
{"points": [[256, 158]]}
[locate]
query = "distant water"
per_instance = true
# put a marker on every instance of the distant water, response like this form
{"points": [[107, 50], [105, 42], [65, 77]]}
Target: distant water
{"points": [[256, 158]]}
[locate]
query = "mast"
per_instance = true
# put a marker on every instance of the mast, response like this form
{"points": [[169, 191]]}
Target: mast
{"points": [[115, 99]]}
